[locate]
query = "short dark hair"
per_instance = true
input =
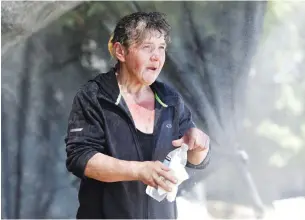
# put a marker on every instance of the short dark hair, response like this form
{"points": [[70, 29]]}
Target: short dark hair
{"points": [[134, 27]]}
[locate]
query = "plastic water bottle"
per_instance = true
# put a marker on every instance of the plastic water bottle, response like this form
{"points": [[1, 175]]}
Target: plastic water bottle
{"points": [[176, 160]]}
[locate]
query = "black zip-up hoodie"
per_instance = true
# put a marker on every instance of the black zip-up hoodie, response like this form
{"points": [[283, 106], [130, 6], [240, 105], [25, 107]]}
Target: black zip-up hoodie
{"points": [[100, 122]]}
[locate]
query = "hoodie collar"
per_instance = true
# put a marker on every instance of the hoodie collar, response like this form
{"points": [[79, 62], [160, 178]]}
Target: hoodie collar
{"points": [[109, 88]]}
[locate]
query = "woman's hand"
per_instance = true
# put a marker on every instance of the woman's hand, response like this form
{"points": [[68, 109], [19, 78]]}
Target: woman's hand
{"points": [[198, 143], [196, 140], [154, 173]]}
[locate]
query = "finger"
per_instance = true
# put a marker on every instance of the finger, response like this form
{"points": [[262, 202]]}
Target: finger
{"points": [[178, 142], [154, 184], [160, 181], [204, 142], [195, 145], [207, 143], [162, 166], [191, 142], [151, 183], [167, 176], [200, 143]]}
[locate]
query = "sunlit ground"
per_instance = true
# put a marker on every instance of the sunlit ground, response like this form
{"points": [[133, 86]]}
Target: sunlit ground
{"points": [[288, 209]]}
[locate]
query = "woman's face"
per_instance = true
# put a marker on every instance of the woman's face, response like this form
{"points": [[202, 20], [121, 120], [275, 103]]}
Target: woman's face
{"points": [[145, 60]]}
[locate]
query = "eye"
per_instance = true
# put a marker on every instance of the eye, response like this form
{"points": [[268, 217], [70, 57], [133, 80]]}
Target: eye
{"points": [[146, 46]]}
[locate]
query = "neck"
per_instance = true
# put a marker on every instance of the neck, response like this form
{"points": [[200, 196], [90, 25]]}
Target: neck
{"points": [[130, 85]]}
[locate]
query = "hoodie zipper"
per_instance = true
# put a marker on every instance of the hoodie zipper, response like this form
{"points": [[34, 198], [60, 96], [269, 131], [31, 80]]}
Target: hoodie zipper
{"points": [[132, 126]]}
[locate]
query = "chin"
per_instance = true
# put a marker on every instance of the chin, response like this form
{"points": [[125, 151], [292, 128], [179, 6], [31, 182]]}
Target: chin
{"points": [[151, 81], [148, 83], [150, 78]]}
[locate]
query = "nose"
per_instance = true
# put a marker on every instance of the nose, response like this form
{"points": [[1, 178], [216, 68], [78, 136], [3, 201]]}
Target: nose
{"points": [[155, 57]]}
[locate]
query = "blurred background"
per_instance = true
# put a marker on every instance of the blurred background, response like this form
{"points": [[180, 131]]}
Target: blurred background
{"points": [[238, 65]]}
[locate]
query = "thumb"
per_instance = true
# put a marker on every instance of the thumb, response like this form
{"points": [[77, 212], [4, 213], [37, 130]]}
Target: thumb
{"points": [[178, 142]]}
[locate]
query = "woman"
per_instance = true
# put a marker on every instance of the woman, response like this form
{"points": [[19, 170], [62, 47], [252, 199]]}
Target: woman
{"points": [[123, 124]]}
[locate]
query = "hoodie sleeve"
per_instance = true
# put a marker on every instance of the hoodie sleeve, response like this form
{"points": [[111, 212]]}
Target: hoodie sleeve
{"points": [[185, 119], [185, 123], [85, 134]]}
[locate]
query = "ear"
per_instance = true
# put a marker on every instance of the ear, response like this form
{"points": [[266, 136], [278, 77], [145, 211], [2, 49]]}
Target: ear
{"points": [[119, 51]]}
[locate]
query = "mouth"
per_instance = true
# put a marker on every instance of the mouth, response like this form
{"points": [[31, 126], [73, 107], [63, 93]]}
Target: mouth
{"points": [[152, 68]]}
